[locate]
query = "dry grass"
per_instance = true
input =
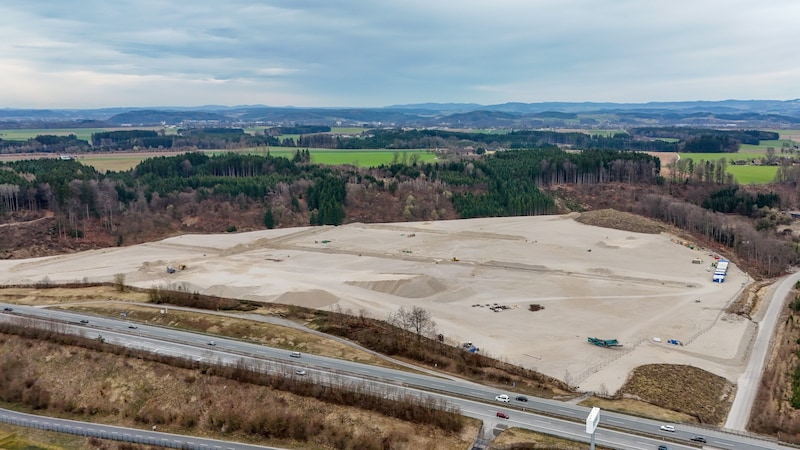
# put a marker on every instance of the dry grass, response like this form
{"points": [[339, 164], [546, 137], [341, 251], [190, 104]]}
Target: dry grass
{"points": [[749, 300], [610, 218], [701, 395], [108, 388], [64, 295], [637, 408], [521, 438], [21, 438]]}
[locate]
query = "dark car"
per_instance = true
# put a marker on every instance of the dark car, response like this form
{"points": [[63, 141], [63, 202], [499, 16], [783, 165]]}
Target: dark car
{"points": [[663, 447], [699, 439], [502, 415], [84, 321], [132, 327], [7, 309], [522, 398]]}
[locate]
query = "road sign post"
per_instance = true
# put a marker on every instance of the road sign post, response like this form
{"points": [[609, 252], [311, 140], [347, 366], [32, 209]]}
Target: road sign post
{"points": [[592, 420]]}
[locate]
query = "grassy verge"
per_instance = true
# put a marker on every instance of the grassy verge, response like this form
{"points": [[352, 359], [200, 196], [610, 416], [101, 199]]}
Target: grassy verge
{"points": [[521, 439], [109, 384]]}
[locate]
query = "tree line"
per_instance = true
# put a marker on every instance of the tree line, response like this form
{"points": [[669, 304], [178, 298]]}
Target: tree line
{"points": [[503, 183], [639, 139]]}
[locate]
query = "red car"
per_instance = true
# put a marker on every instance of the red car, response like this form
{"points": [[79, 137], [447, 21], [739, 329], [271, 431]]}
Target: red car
{"points": [[502, 415]]}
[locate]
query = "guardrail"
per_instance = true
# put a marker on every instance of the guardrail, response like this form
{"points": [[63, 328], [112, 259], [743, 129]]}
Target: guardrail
{"points": [[121, 435]]}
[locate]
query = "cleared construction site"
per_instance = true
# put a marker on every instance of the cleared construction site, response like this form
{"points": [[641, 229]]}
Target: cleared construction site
{"points": [[533, 291]]}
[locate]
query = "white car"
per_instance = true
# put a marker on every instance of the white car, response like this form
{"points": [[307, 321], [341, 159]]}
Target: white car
{"points": [[670, 428], [502, 398], [300, 371]]}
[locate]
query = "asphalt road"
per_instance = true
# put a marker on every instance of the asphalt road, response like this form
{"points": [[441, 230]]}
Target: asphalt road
{"points": [[473, 399], [747, 387]]}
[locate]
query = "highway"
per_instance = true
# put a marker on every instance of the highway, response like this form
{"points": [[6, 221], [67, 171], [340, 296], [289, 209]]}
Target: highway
{"points": [[564, 419]]}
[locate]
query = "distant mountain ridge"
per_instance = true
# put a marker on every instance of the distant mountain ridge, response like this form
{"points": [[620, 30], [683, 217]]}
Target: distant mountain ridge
{"points": [[752, 113]]}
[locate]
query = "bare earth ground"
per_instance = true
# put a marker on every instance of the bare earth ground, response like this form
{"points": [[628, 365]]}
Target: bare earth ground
{"points": [[591, 281]]}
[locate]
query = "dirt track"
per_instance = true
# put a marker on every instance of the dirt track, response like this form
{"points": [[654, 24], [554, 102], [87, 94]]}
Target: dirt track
{"points": [[592, 282]]}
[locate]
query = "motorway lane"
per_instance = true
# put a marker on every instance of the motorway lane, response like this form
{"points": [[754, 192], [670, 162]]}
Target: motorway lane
{"points": [[181, 343]]}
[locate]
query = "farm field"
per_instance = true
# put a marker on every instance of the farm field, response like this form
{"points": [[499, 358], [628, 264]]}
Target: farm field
{"points": [[80, 133], [123, 161], [728, 156], [742, 174], [360, 158], [763, 145], [753, 174]]}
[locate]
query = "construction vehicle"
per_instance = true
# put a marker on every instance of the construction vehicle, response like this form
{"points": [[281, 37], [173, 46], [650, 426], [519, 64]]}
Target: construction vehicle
{"points": [[604, 342]]}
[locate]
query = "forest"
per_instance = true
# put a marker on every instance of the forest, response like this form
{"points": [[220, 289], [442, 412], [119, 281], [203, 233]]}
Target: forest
{"points": [[638, 139], [233, 191]]}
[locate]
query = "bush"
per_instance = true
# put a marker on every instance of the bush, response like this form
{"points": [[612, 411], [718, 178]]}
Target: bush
{"points": [[535, 307]]}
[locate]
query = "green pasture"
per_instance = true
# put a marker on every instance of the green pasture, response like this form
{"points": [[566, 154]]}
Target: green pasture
{"points": [[753, 174], [360, 158], [28, 133], [743, 174], [80, 133], [746, 156], [763, 145]]}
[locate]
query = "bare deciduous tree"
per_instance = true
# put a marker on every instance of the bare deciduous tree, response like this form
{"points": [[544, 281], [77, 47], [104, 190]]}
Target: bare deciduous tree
{"points": [[417, 320]]}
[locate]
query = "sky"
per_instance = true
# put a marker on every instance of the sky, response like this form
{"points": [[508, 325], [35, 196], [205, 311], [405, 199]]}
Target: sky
{"points": [[373, 53]]}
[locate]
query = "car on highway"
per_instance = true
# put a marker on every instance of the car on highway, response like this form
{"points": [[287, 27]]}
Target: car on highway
{"points": [[521, 398], [84, 321], [294, 354], [502, 415], [699, 439], [670, 428], [502, 398], [7, 309], [132, 327], [212, 343], [300, 372], [663, 447]]}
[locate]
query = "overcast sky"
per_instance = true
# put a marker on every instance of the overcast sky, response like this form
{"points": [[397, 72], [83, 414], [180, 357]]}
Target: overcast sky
{"points": [[367, 53]]}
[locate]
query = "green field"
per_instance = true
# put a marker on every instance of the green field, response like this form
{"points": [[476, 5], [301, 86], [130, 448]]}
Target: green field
{"points": [[728, 156], [763, 145], [743, 174], [361, 158], [753, 174], [80, 133], [24, 135]]}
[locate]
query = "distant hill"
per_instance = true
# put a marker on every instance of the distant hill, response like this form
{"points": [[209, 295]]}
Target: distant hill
{"points": [[725, 113]]}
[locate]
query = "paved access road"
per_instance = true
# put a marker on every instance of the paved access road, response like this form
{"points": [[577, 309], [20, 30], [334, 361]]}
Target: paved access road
{"points": [[749, 381]]}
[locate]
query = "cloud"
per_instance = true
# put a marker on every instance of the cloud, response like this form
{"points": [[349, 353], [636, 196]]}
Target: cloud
{"points": [[359, 53]]}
